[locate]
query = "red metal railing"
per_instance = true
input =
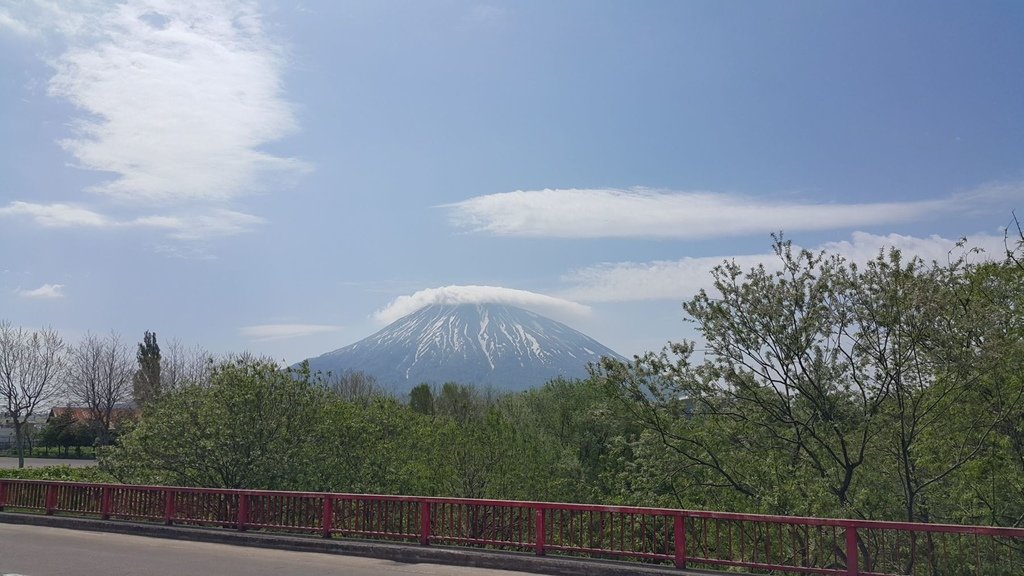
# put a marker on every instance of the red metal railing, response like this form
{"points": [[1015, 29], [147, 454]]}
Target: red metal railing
{"points": [[685, 538]]}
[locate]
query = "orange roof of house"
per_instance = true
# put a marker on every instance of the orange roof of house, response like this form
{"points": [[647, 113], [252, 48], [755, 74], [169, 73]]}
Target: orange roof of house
{"points": [[77, 412], [82, 414]]}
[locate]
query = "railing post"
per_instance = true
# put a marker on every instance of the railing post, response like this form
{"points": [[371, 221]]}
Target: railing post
{"points": [[168, 507], [243, 511], [425, 523], [539, 532], [327, 525], [679, 532], [51, 499], [105, 503], [852, 563], [3, 494]]}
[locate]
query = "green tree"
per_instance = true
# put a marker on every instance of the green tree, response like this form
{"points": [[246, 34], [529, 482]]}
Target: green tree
{"points": [[825, 388], [146, 384], [676, 457], [460, 402], [588, 439], [55, 430], [250, 428], [940, 340], [381, 447], [421, 399], [990, 488], [777, 396]]}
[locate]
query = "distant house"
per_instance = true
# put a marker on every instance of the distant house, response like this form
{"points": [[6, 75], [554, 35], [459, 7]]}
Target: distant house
{"points": [[82, 414], [7, 435], [6, 432]]}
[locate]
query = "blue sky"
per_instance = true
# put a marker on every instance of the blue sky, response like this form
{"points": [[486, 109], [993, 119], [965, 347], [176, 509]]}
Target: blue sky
{"points": [[286, 177]]}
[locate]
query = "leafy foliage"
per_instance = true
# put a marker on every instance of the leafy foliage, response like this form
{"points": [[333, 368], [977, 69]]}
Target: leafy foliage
{"points": [[248, 429], [828, 389], [62, 473]]}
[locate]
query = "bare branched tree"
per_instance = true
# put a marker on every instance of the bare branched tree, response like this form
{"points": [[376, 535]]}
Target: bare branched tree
{"points": [[352, 385], [31, 367], [1014, 242], [100, 376], [182, 366]]}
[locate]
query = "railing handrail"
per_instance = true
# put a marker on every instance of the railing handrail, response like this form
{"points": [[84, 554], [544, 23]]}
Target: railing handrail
{"points": [[965, 529]]}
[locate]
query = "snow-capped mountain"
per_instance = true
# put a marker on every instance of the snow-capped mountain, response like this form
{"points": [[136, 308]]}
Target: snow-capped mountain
{"points": [[484, 344]]}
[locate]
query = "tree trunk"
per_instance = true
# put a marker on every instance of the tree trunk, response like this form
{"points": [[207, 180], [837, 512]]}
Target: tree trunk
{"points": [[19, 442]]}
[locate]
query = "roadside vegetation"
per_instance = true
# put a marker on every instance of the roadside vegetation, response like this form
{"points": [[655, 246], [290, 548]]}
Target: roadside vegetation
{"points": [[892, 390], [63, 473]]}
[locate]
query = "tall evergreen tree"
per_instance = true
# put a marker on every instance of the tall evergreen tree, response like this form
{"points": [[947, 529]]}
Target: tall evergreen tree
{"points": [[146, 383], [421, 399]]}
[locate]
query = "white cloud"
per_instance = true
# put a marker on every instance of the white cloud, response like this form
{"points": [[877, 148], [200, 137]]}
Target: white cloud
{"points": [[643, 213], [177, 100], [217, 222], [184, 251], [44, 292], [405, 305], [681, 279], [62, 18], [57, 215], [179, 96], [265, 332], [198, 226], [862, 247], [656, 280], [15, 26]]}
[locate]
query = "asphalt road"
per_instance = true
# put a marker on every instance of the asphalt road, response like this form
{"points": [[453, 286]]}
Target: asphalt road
{"points": [[12, 462], [42, 551]]}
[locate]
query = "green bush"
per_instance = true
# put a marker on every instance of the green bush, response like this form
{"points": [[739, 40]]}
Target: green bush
{"points": [[64, 473]]}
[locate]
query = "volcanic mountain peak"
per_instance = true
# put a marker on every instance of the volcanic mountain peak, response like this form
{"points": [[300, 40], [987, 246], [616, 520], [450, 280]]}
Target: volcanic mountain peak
{"points": [[485, 344]]}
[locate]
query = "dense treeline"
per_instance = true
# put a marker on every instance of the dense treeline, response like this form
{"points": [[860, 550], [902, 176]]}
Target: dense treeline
{"points": [[258, 426], [891, 390]]}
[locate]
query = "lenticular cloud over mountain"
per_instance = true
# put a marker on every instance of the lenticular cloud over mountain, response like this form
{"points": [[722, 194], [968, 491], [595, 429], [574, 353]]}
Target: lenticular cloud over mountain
{"points": [[455, 295]]}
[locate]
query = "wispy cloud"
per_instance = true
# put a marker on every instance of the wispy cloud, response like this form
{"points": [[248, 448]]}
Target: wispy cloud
{"points": [[177, 100], [216, 222], [62, 18], [266, 332], [405, 305], [202, 225], [44, 292], [10, 24], [681, 279], [57, 215], [190, 251], [644, 213], [180, 97], [862, 247], [655, 280]]}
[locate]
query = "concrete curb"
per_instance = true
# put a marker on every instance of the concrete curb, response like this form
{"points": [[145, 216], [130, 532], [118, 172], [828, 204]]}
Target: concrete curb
{"points": [[406, 553]]}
